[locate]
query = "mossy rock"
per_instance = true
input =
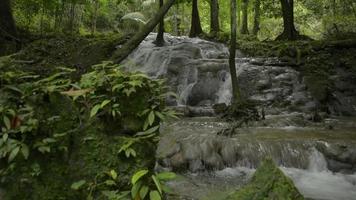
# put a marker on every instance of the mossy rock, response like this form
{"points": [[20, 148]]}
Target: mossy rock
{"points": [[268, 183]]}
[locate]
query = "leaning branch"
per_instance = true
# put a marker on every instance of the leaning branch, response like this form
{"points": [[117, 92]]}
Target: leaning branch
{"points": [[131, 45]]}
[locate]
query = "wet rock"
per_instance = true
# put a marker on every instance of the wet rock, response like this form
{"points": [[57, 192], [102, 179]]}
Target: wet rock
{"points": [[214, 161], [337, 166], [268, 182], [220, 108], [177, 161], [196, 165]]}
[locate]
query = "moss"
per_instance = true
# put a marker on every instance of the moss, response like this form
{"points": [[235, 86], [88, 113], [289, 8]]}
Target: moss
{"points": [[43, 55], [268, 182]]}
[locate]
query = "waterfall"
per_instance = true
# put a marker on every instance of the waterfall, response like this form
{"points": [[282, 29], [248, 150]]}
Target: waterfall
{"points": [[198, 72], [317, 162]]}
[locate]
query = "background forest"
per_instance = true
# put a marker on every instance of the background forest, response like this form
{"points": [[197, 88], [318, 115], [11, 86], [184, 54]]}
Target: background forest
{"points": [[317, 19]]}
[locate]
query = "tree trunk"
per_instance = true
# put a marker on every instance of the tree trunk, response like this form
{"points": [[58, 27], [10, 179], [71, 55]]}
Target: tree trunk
{"points": [[71, 17], [160, 39], [244, 28], [238, 14], [232, 64], [7, 24], [9, 41], [195, 29], [289, 32], [256, 24], [176, 23], [214, 17], [131, 45], [95, 16]]}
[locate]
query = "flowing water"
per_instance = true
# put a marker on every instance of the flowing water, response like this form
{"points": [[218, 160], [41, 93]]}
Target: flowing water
{"points": [[212, 166], [319, 158]]}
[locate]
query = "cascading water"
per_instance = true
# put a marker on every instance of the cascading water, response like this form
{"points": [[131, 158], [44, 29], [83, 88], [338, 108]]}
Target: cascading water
{"points": [[321, 162], [197, 70]]}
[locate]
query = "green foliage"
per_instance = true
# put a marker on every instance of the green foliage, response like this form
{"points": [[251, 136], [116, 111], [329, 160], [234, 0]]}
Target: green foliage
{"points": [[40, 116], [106, 184], [144, 184], [113, 95], [24, 128]]}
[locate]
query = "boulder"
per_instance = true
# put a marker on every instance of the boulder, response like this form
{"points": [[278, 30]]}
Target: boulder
{"points": [[268, 182]]}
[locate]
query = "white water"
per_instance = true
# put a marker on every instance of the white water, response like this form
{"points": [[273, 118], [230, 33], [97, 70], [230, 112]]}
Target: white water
{"points": [[315, 183], [319, 183]]}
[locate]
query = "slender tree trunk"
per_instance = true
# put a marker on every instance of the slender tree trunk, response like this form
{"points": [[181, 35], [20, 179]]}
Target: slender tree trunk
{"points": [[256, 24], [239, 14], [131, 45], [8, 33], [289, 32], [195, 29], [334, 7], [176, 23], [244, 28], [72, 17], [95, 16], [214, 17], [160, 36], [232, 64], [42, 17]]}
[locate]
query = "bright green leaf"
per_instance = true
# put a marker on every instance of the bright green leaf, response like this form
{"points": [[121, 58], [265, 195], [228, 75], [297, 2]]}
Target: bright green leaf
{"points": [[135, 189], [104, 103], [113, 174], [13, 154], [25, 151], [143, 191], [157, 183], [154, 195], [138, 175], [94, 110], [77, 185], [7, 122], [151, 118], [166, 176]]}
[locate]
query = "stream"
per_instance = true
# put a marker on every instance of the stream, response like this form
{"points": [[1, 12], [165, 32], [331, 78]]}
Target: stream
{"points": [[319, 157]]}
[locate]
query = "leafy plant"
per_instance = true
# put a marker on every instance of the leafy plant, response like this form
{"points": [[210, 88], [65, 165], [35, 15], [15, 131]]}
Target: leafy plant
{"points": [[23, 126], [146, 186], [105, 184]]}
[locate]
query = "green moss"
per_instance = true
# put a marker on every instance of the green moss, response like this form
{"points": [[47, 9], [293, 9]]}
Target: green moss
{"points": [[43, 56], [268, 182]]}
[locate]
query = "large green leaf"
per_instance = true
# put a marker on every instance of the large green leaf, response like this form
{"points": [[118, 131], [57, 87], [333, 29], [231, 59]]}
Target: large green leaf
{"points": [[25, 151], [143, 191], [157, 183], [135, 189], [154, 195], [151, 118], [77, 185], [166, 176], [13, 154], [7, 122], [95, 110], [138, 175]]}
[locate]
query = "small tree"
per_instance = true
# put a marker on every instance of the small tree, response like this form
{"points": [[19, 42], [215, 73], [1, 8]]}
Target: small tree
{"points": [[232, 64], [289, 32], [214, 17], [160, 39], [195, 29]]}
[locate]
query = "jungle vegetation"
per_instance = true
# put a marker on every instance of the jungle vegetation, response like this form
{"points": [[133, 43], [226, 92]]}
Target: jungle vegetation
{"points": [[71, 118]]}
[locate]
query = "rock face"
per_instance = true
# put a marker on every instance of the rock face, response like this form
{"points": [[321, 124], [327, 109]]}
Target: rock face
{"points": [[193, 145], [268, 182], [197, 70]]}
